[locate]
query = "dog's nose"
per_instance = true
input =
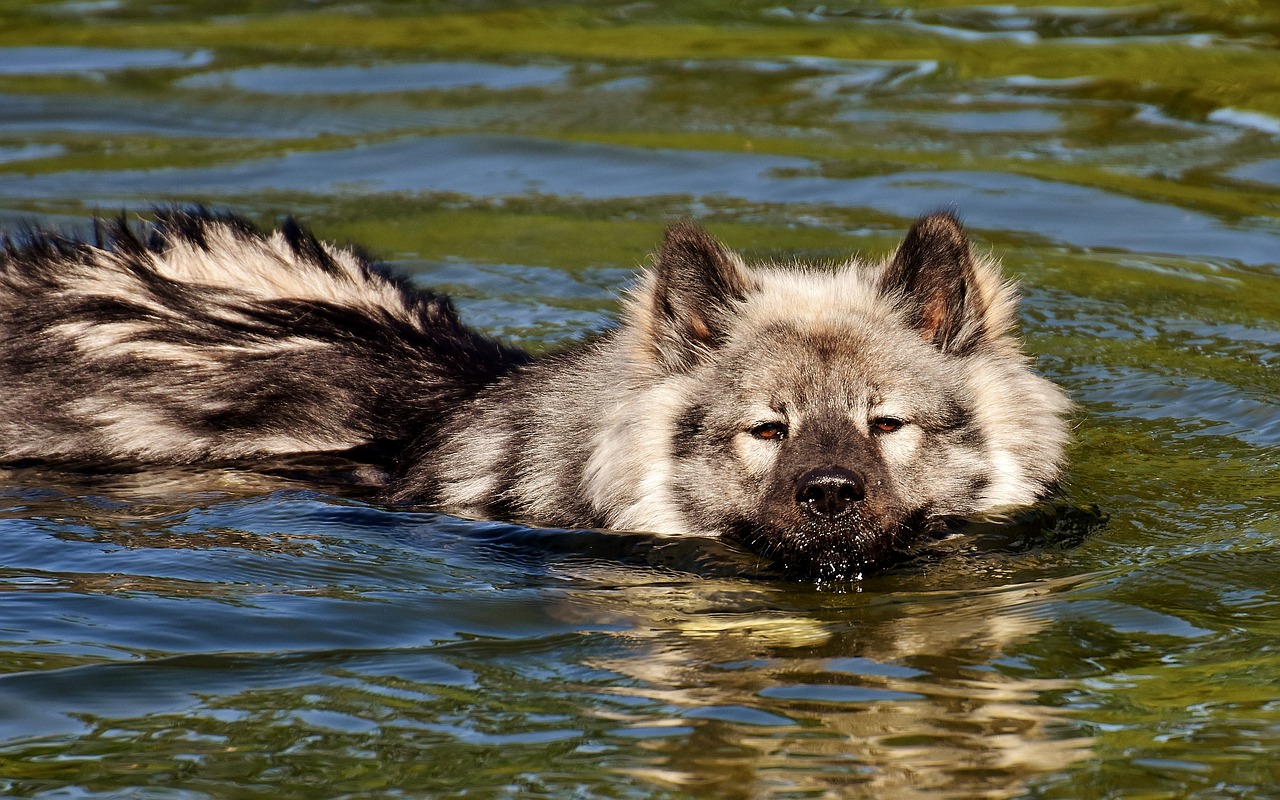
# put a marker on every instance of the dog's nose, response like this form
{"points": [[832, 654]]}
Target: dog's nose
{"points": [[830, 491]]}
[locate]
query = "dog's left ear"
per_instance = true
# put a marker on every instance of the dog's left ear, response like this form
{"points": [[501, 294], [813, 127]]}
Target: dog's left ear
{"points": [[685, 303], [953, 300]]}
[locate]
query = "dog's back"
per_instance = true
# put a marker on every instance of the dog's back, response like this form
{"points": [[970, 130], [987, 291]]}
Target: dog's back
{"points": [[206, 339]]}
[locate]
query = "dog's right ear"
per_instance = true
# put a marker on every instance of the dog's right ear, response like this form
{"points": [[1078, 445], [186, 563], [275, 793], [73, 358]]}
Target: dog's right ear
{"points": [[683, 307]]}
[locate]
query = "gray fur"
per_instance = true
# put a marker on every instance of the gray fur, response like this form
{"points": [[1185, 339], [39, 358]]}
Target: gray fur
{"points": [[818, 415]]}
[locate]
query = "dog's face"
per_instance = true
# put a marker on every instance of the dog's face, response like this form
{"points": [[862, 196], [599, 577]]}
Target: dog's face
{"points": [[823, 415], [825, 449]]}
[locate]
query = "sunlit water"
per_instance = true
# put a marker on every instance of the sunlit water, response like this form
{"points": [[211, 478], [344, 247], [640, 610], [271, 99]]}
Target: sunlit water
{"points": [[219, 633]]}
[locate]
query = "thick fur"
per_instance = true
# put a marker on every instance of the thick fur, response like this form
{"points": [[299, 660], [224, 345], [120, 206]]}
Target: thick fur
{"points": [[819, 415]]}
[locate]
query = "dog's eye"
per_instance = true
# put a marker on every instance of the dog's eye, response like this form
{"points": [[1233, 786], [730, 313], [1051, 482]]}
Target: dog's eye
{"points": [[886, 424], [772, 431]]}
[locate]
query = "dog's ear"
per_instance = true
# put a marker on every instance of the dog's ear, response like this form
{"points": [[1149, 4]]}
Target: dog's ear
{"points": [[955, 301], [683, 307]]}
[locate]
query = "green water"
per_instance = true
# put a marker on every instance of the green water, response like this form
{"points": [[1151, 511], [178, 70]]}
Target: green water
{"points": [[217, 634]]}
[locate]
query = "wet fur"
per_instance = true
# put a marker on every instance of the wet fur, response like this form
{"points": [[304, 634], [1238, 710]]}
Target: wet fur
{"points": [[206, 339]]}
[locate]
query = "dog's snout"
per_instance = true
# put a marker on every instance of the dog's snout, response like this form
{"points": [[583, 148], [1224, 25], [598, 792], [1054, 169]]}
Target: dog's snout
{"points": [[830, 491]]}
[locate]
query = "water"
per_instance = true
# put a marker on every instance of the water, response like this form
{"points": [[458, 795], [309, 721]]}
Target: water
{"points": [[215, 633]]}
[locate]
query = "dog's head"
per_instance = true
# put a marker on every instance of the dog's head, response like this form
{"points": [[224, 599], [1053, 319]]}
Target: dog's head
{"points": [[820, 415]]}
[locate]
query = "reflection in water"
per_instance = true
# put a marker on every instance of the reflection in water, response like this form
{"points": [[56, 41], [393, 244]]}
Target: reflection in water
{"points": [[73, 60], [1024, 120], [892, 693], [386, 78]]}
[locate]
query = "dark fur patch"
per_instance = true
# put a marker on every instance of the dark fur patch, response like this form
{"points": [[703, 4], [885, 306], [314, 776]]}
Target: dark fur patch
{"points": [[686, 430], [843, 552], [978, 485]]}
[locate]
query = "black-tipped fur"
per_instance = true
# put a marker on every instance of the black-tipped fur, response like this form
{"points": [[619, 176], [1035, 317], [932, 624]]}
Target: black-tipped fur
{"points": [[106, 357]]}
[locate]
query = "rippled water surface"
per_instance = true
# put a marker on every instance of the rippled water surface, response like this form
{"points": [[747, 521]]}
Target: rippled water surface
{"points": [[220, 634]]}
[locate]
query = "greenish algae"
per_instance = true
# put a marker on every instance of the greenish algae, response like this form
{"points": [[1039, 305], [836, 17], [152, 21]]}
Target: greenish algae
{"points": [[569, 241], [574, 33], [1196, 80]]}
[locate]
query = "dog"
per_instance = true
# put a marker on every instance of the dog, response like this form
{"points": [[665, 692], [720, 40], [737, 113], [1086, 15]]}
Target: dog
{"points": [[820, 415]]}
